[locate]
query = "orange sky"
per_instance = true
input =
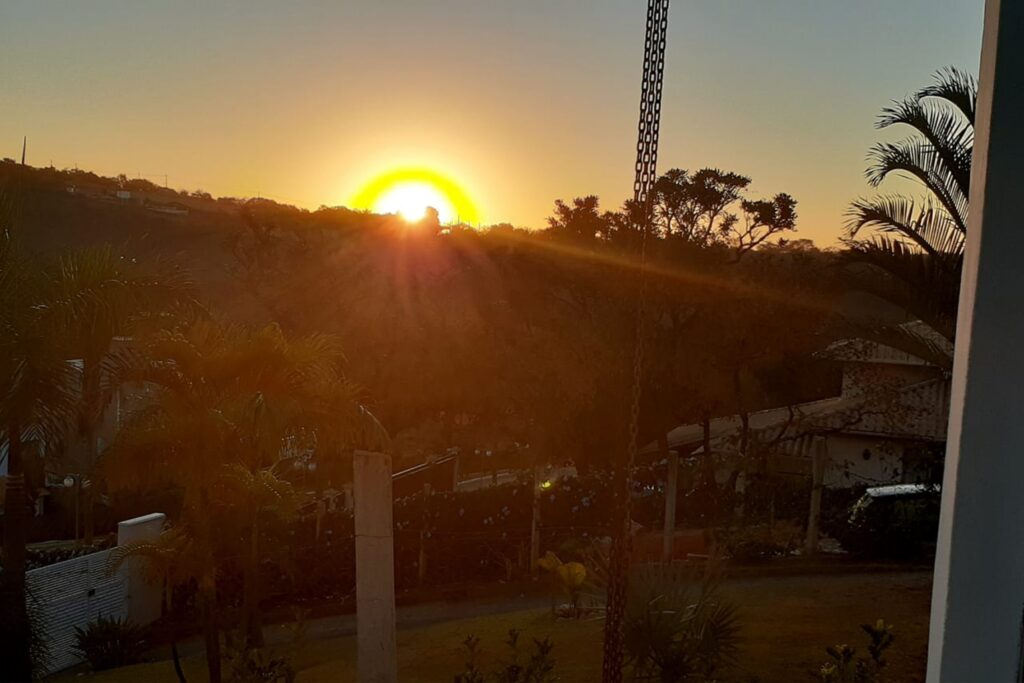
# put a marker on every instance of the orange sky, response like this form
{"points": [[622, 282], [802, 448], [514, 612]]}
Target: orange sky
{"points": [[520, 102]]}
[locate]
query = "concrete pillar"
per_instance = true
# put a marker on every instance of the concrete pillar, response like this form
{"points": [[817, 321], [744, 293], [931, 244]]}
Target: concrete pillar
{"points": [[978, 593], [819, 460], [143, 596], [671, 489], [376, 656]]}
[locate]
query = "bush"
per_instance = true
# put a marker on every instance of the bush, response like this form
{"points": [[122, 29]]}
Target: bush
{"points": [[258, 665], [755, 544], [110, 642], [844, 666], [678, 628], [539, 668]]}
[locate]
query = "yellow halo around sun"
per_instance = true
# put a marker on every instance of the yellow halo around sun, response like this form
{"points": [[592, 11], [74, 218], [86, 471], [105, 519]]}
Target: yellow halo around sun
{"points": [[409, 191]]}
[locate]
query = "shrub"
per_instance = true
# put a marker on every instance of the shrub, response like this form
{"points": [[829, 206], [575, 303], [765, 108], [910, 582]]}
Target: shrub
{"points": [[754, 544], [844, 666], [110, 642], [570, 578], [539, 668], [259, 665], [255, 665], [678, 628]]}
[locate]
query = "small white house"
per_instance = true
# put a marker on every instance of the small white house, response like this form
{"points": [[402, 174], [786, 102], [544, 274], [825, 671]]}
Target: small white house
{"points": [[887, 425]]}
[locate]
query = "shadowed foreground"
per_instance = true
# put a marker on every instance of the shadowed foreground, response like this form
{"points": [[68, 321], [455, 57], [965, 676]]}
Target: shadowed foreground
{"points": [[787, 622]]}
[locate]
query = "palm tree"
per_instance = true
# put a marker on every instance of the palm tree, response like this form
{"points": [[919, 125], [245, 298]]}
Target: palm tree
{"points": [[172, 560], [100, 295], [35, 402], [914, 256], [224, 400]]}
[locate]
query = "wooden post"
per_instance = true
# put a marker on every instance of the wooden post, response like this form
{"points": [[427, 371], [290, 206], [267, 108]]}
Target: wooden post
{"points": [[671, 490], [376, 658], [819, 461]]}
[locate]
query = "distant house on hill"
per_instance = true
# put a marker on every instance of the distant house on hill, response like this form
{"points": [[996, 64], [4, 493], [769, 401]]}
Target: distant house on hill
{"points": [[171, 208], [887, 425]]}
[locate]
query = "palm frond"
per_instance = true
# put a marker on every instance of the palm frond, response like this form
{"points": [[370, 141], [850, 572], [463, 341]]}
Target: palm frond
{"points": [[919, 160], [925, 287], [957, 87], [949, 134], [926, 225]]}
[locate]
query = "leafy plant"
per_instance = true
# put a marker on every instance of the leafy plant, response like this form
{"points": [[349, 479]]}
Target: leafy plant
{"points": [[256, 665], [538, 668], [754, 544], [844, 666], [110, 642], [570, 577], [678, 628]]}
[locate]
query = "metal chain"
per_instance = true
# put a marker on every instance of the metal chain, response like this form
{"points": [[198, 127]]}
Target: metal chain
{"points": [[646, 175]]}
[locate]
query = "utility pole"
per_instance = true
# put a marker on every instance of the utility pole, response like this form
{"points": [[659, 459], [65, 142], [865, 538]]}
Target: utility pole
{"points": [[24, 144]]}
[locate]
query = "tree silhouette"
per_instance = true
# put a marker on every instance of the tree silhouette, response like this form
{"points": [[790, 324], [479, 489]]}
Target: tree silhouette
{"points": [[914, 254]]}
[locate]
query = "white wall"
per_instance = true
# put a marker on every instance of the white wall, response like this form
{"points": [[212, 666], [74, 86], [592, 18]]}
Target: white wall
{"points": [[847, 466], [75, 592]]}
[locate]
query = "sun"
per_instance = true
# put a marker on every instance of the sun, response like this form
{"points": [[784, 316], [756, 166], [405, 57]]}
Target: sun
{"points": [[410, 200], [409, 191]]}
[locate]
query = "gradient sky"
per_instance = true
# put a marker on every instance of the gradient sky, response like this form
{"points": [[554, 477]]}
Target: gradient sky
{"points": [[521, 101]]}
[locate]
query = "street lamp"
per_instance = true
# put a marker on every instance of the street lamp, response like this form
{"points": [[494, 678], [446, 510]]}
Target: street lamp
{"points": [[76, 481]]}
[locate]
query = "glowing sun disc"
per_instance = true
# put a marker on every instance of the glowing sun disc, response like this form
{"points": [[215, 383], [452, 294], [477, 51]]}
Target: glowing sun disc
{"points": [[409, 191], [411, 199]]}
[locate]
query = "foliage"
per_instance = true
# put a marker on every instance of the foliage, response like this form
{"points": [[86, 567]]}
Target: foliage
{"points": [[40, 649], [752, 544], [569, 576], [225, 401], [256, 665], [678, 627], [708, 208], [110, 642], [844, 666], [538, 668], [914, 256]]}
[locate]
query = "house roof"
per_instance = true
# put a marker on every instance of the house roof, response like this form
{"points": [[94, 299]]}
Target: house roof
{"points": [[868, 351], [918, 411], [686, 438]]}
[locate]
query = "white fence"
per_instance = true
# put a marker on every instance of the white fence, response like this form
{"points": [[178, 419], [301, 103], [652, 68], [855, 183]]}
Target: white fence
{"points": [[76, 592]]}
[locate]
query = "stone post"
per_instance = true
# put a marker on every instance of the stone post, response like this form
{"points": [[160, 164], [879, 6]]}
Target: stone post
{"points": [[376, 656]]}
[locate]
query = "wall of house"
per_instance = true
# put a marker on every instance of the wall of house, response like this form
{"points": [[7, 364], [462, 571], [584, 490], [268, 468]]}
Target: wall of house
{"points": [[858, 460]]}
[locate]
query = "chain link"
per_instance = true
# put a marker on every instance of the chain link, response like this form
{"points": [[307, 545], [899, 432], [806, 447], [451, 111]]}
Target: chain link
{"points": [[646, 175]]}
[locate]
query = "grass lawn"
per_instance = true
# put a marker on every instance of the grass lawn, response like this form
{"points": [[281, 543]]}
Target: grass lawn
{"points": [[787, 622]]}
